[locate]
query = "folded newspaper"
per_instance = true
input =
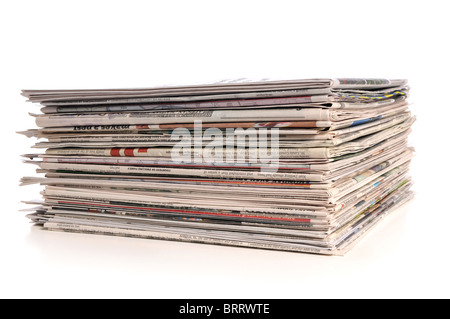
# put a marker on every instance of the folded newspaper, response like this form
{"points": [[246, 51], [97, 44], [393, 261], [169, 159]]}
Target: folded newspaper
{"points": [[296, 165]]}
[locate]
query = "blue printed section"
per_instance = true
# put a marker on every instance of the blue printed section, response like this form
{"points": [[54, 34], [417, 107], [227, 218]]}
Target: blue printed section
{"points": [[363, 121]]}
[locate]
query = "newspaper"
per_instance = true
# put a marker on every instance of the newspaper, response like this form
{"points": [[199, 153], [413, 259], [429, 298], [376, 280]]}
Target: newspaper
{"points": [[308, 127], [209, 91], [321, 117], [285, 136], [280, 102], [294, 165], [334, 243], [142, 150], [388, 146], [263, 211], [220, 193], [345, 181]]}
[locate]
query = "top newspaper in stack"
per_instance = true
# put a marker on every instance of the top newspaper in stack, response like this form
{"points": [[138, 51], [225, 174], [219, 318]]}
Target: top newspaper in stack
{"points": [[307, 103]]}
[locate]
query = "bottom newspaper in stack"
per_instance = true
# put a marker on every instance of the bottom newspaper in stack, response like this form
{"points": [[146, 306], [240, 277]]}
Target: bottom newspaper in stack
{"points": [[328, 188]]}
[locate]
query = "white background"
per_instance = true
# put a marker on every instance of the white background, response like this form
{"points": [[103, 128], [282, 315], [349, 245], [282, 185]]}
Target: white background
{"points": [[113, 44]]}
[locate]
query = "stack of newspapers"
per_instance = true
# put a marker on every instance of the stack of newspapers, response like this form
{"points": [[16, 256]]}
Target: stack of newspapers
{"points": [[296, 165]]}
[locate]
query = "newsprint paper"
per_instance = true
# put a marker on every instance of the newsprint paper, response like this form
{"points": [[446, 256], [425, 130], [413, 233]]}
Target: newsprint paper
{"points": [[305, 165]]}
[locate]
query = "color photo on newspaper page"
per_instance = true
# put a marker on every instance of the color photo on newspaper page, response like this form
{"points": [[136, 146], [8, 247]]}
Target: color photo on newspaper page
{"points": [[297, 165]]}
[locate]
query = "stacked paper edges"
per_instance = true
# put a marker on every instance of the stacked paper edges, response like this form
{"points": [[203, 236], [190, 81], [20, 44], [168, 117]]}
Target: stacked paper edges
{"points": [[297, 165]]}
